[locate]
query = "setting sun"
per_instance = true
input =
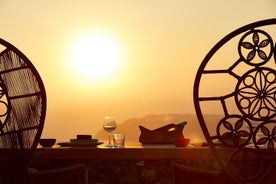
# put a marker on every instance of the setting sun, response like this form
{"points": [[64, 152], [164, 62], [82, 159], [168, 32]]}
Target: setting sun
{"points": [[95, 56]]}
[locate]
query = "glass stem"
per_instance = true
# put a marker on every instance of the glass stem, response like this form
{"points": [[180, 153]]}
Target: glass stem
{"points": [[109, 138]]}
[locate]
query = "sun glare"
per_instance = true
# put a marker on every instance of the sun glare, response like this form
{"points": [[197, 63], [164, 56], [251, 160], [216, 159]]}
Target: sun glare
{"points": [[95, 56]]}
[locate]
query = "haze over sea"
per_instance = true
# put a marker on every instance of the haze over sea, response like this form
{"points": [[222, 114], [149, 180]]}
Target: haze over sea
{"points": [[130, 127]]}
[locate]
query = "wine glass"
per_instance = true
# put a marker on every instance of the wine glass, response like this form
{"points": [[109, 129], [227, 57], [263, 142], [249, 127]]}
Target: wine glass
{"points": [[109, 125]]}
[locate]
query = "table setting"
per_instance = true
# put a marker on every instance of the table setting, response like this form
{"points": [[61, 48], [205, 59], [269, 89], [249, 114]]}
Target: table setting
{"points": [[82, 140]]}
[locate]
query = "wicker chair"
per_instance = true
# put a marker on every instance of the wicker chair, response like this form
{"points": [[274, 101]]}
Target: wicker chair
{"points": [[237, 79], [22, 115], [76, 174], [22, 112]]}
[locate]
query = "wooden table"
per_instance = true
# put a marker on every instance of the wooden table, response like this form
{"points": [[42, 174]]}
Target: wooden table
{"points": [[133, 151], [134, 162]]}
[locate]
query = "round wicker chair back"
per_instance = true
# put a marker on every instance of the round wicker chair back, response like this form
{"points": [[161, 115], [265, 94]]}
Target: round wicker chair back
{"points": [[22, 106], [236, 81]]}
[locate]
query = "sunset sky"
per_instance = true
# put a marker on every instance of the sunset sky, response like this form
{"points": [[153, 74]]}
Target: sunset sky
{"points": [[146, 56]]}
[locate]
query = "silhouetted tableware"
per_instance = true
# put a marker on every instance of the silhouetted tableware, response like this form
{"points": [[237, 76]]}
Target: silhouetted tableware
{"points": [[162, 135], [83, 141], [47, 142], [109, 125], [80, 144], [84, 136], [181, 142]]}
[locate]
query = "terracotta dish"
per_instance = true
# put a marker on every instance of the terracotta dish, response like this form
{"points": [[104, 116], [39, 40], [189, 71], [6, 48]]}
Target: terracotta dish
{"points": [[181, 142]]}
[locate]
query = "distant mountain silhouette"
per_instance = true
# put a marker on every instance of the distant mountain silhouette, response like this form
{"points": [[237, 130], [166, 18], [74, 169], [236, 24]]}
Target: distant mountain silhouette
{"points": [[130, 127]]}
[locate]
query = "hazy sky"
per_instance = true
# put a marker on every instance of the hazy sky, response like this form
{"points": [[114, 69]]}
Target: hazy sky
{"points": [[158, 46]]}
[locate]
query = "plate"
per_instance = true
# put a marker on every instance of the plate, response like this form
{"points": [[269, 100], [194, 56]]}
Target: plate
{"points": [[80, 144], [78, 141]]}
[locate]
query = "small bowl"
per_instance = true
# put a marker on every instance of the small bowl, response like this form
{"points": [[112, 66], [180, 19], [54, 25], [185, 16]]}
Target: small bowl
{"points": [[84, 136], [181, 142], [47, 142]]}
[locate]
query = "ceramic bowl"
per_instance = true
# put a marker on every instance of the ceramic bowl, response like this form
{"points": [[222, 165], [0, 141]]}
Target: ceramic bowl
{"points": [[47, 142], [84, 136], [181, 142]]}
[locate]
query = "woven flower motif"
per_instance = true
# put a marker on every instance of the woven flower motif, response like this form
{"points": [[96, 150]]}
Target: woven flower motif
{"points": [[268, 137], [256, 94], [234, 132], [256, 46]]}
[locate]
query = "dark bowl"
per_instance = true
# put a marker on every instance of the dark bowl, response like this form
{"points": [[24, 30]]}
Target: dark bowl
{"points": [[47, 142], [84, 136], [181, 142]]}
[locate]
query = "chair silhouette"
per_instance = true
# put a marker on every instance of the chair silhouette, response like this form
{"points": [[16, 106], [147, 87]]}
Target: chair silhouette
{"points": [[237, 80], [22, 113], [75, 174]]}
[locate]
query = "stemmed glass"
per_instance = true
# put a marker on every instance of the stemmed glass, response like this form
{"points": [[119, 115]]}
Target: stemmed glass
{"points": [[109, 125]]}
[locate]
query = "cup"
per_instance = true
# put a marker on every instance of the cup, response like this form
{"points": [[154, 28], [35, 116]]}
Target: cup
{"points": [[119, 140]]}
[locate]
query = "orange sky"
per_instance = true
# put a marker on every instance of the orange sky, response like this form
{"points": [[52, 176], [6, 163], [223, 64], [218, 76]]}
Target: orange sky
{"points": [[161, 44]]}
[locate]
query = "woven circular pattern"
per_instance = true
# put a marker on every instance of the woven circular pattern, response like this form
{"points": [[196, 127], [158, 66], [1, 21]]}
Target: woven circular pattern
{"points": [[246, 164], [240, 86], [3, 105], [256, 93], [265, 136], [256, 47], [234, 131]]}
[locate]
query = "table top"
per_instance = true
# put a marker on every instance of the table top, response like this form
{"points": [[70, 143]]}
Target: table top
{"points": [[130, 151]]}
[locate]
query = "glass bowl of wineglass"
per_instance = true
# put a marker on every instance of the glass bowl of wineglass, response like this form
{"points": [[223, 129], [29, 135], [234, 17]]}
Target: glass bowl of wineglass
{"points": [[109, 125]]}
